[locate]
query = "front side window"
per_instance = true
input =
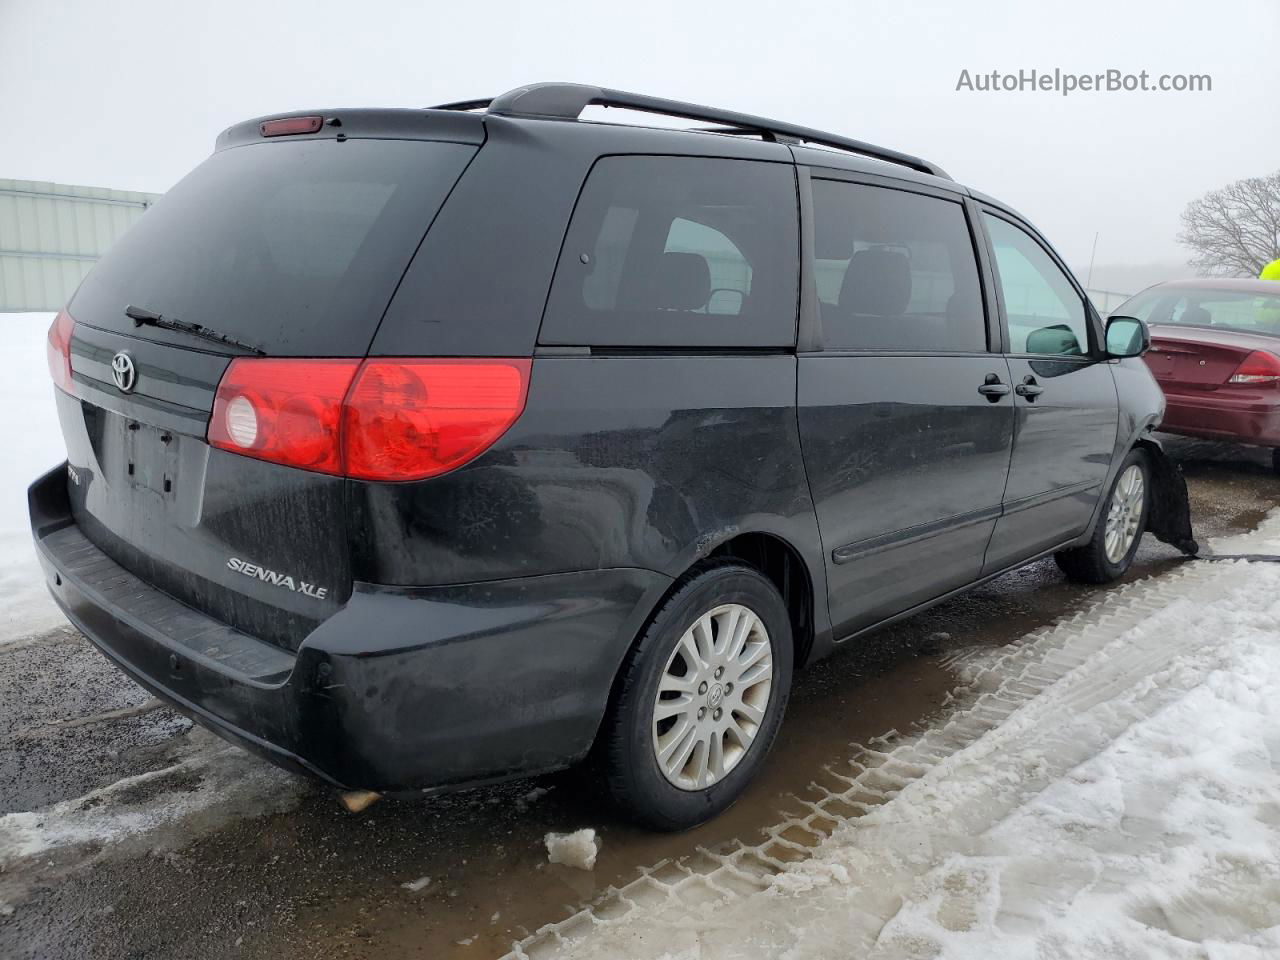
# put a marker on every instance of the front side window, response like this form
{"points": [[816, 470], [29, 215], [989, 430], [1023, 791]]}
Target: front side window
{"points": [[895, 271], [679, 251], [1045, 315]]}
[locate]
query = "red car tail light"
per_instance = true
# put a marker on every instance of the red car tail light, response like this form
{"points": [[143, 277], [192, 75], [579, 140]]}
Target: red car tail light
{"points": [[413, 419], [387, 420], [283, 410], [1258, 367], [58, 351]]}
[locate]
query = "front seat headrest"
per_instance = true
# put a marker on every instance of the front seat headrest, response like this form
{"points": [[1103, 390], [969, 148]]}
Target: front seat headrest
{"points": [[1197, 315]]}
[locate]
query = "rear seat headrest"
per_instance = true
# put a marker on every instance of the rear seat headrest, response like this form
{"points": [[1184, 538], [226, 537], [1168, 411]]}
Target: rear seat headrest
{"points": [[681, 281], [876, 282]]}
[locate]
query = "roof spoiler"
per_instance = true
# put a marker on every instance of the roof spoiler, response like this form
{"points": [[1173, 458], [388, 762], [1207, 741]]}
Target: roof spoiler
{"points": [[566, 101]]}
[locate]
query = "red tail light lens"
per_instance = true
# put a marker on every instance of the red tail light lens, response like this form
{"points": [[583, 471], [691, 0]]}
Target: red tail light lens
{"points": [[58, 351], [285, 411], [385, 420], [413, 419], [1258, 367]]}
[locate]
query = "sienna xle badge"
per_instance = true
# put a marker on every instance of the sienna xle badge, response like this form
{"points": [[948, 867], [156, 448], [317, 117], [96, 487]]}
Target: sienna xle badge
{"points": [[414, 449]]}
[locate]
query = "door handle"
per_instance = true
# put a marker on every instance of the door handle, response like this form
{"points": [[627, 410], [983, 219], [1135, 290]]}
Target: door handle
{"points": [[1028, 388], [993, 389]]}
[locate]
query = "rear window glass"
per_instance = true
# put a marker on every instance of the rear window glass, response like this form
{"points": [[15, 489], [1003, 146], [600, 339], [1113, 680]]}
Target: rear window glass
{"points": [[679, 251], [1242, 310], [895, 271], [294, 247]]}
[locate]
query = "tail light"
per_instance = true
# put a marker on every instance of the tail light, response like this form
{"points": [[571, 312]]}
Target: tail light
{"points": [[285, 411], [385, 420], [1258, 367], [58, 351], [412, 419]]}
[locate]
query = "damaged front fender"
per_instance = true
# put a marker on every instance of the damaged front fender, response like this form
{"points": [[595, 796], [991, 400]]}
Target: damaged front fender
{"points": [[1169, 515]]}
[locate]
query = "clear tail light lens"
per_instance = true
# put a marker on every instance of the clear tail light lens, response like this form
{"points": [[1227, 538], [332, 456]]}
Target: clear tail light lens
{"points": [[58, 351], [379, 419], [1258, 367]]}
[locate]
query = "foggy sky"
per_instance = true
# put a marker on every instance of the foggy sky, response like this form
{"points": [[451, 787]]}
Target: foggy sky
{"points": [[131, 94]]}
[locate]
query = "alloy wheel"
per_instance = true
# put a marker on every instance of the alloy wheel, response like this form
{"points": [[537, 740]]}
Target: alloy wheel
{"points": [[712, 697], [1124, 513]]}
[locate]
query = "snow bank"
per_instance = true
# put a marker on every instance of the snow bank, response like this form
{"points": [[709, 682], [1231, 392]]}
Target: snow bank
{"points": [[32, 443], [1128, 806], [577, 849]]}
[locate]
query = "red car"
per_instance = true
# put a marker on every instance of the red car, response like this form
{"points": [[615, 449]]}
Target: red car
{"points": [[1215, 351]]}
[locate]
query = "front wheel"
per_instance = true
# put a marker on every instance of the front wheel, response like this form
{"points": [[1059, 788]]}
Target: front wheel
{"points": [[1118, 530], [699, 698]]}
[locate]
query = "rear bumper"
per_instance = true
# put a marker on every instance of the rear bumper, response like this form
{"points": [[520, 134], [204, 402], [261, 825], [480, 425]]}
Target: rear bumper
{"points": [[403, 690], [1248, 418]]}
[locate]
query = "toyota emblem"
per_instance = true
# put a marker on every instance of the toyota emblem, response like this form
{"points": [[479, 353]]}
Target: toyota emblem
{"points": [[123, 372]]}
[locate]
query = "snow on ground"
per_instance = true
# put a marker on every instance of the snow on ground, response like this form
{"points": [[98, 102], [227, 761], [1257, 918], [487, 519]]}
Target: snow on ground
{"points": [[214, 785], [577, 849], [1114, 793], [32, 443]]}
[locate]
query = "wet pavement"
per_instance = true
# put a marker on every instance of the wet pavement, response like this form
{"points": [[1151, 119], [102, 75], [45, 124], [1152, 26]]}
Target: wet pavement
{"points": [[237, 860]]}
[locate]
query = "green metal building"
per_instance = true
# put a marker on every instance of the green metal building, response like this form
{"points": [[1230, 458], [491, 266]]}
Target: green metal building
{"points": [[51, 234]]}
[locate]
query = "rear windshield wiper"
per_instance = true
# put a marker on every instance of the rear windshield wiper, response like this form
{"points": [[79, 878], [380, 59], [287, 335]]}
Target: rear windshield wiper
{"points": [[143, 317]]}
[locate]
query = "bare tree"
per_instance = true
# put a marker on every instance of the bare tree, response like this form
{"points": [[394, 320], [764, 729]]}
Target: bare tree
{"points": [[1235, 230]]}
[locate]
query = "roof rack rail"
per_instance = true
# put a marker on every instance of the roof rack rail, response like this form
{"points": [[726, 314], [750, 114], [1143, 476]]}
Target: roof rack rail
{"points": [[566, 101], [464, 105]]}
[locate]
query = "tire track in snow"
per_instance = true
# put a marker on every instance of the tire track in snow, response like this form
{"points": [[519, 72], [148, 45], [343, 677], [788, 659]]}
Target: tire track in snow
{"points": [[1010, 735]]}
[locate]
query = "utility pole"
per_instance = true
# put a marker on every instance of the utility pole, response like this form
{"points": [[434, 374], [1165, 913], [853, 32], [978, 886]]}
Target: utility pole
{"points": [[1089, 282]]}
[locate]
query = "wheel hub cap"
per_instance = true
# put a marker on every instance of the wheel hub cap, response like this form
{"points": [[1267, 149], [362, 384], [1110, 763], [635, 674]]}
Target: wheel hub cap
{"points": [[712, 697]]}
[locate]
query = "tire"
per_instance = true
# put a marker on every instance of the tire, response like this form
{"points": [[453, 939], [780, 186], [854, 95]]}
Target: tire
{"points": [[640, 785], [1091, 562], [1275, 459]]}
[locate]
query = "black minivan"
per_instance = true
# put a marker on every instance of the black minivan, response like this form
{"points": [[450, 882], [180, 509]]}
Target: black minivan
{"points": [[415, 449]]}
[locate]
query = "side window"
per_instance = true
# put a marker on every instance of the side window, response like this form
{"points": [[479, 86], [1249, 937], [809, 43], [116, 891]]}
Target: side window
{"points": [[1043, 310], [679, 251], [730, 271], [895, 271]]}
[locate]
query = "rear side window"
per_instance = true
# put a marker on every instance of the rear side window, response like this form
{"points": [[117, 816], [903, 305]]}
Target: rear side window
{"points": [[895, 271], [679, 251], [295, 246]]}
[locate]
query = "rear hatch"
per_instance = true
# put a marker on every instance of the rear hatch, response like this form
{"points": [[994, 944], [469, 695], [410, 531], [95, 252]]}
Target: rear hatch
{"points": [[283, 247]]}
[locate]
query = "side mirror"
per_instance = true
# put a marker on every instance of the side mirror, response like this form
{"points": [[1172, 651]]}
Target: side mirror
{"points": [[1127, 337], [1058, 340]]}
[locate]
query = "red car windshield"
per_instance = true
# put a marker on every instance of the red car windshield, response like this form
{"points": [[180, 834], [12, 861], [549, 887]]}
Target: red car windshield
{"points": [[1246, 311]]}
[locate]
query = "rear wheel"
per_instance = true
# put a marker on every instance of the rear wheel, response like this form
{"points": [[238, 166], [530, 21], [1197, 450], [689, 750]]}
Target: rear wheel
{"points": [[1275, 459], [700, 698], [1118, 530]]}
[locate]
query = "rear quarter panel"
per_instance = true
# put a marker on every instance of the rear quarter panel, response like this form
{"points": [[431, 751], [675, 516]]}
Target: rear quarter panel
{"points": [[645, 462]]}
